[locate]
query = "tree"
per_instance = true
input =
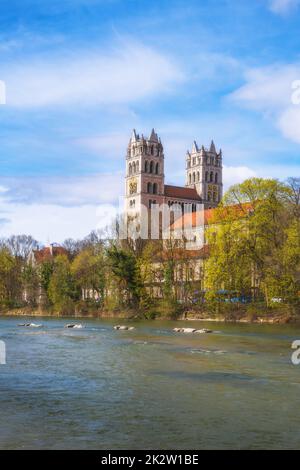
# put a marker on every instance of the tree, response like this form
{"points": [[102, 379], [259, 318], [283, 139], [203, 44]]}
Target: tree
{"points": [[62, 289], [247, 238], [88, 269], [10, 279], [21, 245], [125, 271]]}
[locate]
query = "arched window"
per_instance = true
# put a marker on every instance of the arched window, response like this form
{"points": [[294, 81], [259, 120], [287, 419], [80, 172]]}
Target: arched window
{"points": [[130, 169], [137, 166], [198, 176], [190, 178], [149, 188], [157, 168], [206, 176], [151, 150], [211, 176], [146, 167], [194, 177], [151, 167], [154, 189], [216, 177], [133, 167]]}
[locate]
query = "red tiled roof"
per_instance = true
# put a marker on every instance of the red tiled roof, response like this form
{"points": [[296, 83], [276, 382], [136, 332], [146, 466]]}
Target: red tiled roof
{"points": [[47, 253], [191, 218], [181, 192]]}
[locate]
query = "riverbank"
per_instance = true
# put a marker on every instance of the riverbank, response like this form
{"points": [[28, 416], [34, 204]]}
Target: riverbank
{"points": [[277, 316]]}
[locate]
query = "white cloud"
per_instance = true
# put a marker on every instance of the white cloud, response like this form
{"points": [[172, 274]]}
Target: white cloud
{"points": [[267, 88], [90, 77], [52, 209], [283, 6], [53, 223], [270, 90], [63, 190], [289, 123], [236, 174]]}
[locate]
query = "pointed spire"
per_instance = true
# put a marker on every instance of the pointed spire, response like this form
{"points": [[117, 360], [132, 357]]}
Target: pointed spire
{"points": [[195, 147], [133, 136], [153, 136], [212, 147]]}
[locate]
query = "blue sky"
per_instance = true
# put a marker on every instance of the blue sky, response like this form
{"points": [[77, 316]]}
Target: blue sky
{"points": [[80, 74]]}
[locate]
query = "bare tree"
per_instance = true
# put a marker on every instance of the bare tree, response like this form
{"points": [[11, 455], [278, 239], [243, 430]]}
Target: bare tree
{"points": [[294, 197], [294, 185], [21, 245]]}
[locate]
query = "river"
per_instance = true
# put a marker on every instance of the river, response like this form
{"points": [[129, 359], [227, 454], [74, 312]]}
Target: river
{"points": [[151, 388]]}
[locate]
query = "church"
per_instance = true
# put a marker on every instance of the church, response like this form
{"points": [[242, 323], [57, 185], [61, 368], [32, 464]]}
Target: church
{"points": [[145, 177]]}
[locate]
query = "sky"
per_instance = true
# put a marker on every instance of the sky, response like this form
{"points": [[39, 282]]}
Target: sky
{"points": [[81, 74]]}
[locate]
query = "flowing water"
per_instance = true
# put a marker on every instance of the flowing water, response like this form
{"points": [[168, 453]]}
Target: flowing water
{"points": [[98, 388]]}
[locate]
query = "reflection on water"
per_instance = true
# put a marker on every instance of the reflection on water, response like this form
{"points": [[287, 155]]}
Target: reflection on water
{"points": [[150, 388]]}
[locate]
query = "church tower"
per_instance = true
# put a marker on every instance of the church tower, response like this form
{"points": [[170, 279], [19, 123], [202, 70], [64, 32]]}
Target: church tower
{"points": [[144, 172], [204, 173]]}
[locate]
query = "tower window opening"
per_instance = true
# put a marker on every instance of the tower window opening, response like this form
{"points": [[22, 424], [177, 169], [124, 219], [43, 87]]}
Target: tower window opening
{"points": [[194, 177], [149, 188], [146, 167], [190, 178], [216, 177], [130, 169], [151, 167], [198, 176], [157, 168], [155, 188], [211, 176], [206, 176]]}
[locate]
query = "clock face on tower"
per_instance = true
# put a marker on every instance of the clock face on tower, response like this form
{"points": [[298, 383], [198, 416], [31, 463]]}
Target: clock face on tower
{"points": [[132, 186]]}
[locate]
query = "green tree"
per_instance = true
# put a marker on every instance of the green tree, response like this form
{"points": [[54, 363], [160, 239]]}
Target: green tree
{"points": [[88, 269], [124, 268], [62, 289], [10, 279], [247, 239]]}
